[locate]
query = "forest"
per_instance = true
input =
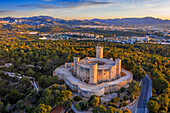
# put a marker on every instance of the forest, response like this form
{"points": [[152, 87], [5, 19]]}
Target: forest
{"points": [[38, 59], [15, 29]]}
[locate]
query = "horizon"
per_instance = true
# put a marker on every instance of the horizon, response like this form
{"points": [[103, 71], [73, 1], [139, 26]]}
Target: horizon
{"points": [[86, 9], [85, 18]]}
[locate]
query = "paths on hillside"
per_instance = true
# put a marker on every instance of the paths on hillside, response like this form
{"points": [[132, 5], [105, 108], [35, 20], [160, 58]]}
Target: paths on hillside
{"points": [[32, 80]]}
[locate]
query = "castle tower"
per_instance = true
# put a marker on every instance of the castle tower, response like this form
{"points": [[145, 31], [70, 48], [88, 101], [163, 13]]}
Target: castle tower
{"points": [[76, 61], [93, 74], [118, 67], [99, 52], [112, 73]]}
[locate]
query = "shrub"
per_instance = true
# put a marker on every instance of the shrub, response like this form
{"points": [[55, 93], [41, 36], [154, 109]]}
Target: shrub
{"points": [[78, 107], [121, 100], [99, 109], [125, 98], [122, 89], [115, 99], [127, 111], [77, 98], [71, 111], [131, 100], [111, 109], [113, 104], [120, 105], [93, 96], [95, 102], [124, 104], [29, 109], [119, 111], [95, 110], [84, 105], [55, 87]]}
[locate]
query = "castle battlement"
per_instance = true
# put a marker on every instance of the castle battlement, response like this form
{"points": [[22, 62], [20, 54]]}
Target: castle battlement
{"points": [[105, 69], [94, 76]]}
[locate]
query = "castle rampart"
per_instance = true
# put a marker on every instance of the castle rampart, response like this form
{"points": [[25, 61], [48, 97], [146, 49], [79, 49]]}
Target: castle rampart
{"points": [[94, 76]]}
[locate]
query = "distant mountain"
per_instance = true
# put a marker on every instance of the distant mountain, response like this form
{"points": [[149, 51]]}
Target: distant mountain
{"points": [[41, 18], [58, 20], [133, 21], [48, 20], [11, 19]]}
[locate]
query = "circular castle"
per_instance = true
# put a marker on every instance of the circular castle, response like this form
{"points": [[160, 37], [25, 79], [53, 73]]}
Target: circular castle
{"points": [[97, 70], [94, 76]]}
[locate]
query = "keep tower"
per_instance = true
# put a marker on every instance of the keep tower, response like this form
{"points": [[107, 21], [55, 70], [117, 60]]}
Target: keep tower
{"points": [[99, 52]]}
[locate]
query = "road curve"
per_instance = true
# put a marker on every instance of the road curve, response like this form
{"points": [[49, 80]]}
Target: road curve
{"points": [[145, 94]]}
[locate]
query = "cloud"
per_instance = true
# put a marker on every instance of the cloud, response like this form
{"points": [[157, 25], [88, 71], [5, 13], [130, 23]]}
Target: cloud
{"points": [[2, 12], [63, 4], [91, 2], [48, 0]]}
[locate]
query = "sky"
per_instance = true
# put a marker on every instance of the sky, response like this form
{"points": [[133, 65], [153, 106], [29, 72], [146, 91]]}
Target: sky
{"points": [[86, 9]]}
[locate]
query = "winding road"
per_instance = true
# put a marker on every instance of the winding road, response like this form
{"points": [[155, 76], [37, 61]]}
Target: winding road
{"points": [[145, 95]]}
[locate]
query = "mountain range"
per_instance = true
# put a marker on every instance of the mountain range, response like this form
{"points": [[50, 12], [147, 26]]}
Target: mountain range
{"points": [[124, 21], [133, 21]]}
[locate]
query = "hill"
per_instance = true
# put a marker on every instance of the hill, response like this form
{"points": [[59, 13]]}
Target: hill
{"points": [[133, 21], [48, 20]]}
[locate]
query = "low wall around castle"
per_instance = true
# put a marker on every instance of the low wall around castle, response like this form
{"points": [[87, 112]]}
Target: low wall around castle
{"points": [[87, 90], [88, 94]]}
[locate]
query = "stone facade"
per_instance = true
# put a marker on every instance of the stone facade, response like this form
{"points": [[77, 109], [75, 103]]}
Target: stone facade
{"points": [[94, 76], [87, 90], [69, 65], [99, 52], [97, 70], [118, 67], [76, 61]]}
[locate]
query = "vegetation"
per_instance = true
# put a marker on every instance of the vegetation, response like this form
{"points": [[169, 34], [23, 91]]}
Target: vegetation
{"points": [[126, 111], [99, 109], [134, 88], [77, 98], [41, 108], [115, 99], [94, 101], [153, 106], [84, 105], [44, 56], [111, 109], [138, 73]]}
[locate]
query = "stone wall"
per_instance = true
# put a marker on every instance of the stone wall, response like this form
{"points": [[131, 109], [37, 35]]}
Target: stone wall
{"points": [[88, 94], [112, 73], [118, 67], [99, 52], [87, 90], [103, 75], [76, 61], [100, 91], [83, 73], [93, 74]]}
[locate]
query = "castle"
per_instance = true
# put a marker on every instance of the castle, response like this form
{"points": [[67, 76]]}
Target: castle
{"points": [[97, 70], [94, 76]]}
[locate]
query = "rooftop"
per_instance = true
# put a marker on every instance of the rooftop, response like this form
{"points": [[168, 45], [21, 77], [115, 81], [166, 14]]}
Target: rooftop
{"points": [[102, 63]]}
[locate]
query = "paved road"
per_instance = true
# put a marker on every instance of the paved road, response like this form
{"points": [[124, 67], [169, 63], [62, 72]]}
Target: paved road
{"points": [[145, 94]]}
